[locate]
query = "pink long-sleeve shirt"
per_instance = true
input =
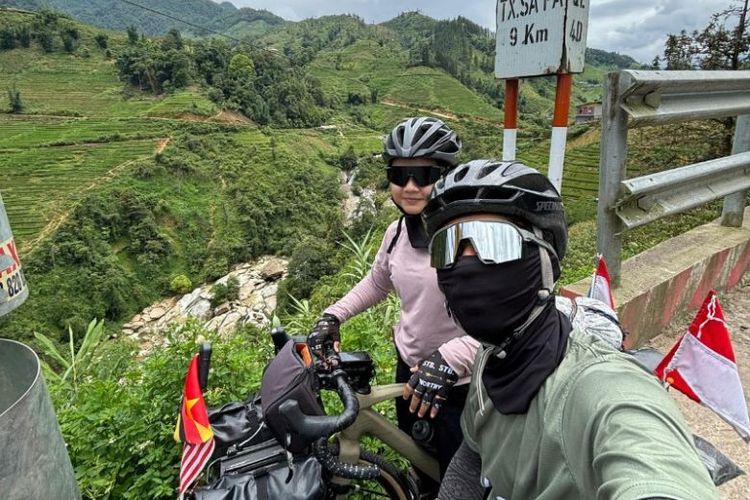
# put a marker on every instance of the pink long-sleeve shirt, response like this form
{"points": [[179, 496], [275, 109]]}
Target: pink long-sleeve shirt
{"points": [[424, 325]]}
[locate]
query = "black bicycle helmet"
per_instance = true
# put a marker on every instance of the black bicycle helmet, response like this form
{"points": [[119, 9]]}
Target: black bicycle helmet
{"points": [[422, 137], [500, 187]]}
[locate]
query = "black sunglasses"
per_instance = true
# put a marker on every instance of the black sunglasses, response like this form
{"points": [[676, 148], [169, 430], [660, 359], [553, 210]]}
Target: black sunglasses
{"points": [[423, 175]]}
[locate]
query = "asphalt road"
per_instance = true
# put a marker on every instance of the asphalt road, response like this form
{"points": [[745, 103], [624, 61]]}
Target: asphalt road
{"points": [[702, 421]]}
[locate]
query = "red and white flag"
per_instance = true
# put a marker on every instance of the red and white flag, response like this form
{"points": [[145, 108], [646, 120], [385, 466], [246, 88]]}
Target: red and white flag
{"points": [[193, 429], [601, 288], [702, 366]]}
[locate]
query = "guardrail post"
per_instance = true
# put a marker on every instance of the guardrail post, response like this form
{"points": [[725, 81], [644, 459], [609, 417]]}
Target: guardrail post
{"points": [[612, 158], [734, 205]]}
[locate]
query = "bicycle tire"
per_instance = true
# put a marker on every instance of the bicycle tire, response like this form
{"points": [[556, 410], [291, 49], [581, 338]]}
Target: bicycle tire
{"points": [[394, 481]]}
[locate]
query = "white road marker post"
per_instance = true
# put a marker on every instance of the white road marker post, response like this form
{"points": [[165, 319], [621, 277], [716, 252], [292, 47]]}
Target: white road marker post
{"points": [[559, 130]]}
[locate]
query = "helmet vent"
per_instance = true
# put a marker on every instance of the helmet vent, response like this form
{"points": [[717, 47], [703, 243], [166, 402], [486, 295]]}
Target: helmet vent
{"points": [[488, 170], [459, 176]]}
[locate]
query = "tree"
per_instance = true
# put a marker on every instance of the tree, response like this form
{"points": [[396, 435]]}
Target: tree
{"points": [[24, 37], [241, 69], [172, 40], [45, 40], [102, 40], [7, 39], [132, 35], [15, 101], [69, 42], [722, 44]]}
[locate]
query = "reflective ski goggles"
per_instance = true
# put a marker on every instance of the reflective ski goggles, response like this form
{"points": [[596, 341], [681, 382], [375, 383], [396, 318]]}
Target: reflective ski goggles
{"points": [[423, 175], [494, 242]]}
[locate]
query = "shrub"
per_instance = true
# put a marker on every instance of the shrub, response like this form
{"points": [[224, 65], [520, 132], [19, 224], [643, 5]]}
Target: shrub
{"points": [[348, 160], [24, 37], [118, 424], [45, 40], [221, 293], [7, 39], [180, 284], [132, 35], [102, 40], [310, 260], [15, 101]]}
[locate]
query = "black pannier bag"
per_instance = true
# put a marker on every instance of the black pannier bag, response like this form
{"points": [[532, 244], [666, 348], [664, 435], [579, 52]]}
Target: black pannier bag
{"points": [[261, 472], [238, 424], [289, 376]]}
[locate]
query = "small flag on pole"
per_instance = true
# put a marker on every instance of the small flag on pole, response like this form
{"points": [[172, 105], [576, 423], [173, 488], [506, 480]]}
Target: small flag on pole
{"points": [[702, 366], [601, 288], [193, 429]]}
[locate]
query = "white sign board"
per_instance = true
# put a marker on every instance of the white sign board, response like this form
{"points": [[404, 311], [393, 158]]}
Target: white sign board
{"points": [[540, 37]]}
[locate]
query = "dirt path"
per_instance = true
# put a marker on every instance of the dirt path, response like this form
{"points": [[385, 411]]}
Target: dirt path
{"points": [[162, 145], [705, 423], [441, 114], [59, 218]]}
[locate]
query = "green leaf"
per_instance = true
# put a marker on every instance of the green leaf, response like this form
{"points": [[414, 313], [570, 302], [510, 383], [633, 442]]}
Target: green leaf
{"points": [[49, 349]]}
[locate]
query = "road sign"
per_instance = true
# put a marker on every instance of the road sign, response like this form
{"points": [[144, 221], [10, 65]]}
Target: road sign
{"points": [[540, 37], [13, 291]]}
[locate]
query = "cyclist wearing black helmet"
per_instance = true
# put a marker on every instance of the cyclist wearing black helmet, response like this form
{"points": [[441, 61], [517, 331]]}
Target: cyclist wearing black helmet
{"points": [[552, 412], [434, 354]]}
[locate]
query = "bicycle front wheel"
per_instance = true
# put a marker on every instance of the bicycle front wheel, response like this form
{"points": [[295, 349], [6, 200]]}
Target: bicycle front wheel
{"points": [[391, 483]]}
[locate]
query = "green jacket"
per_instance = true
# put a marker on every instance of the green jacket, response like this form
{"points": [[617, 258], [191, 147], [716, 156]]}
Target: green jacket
{"points": [[600, 427]]}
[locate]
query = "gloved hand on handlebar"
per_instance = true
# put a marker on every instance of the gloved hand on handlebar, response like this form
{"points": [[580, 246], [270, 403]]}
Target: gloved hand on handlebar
{"points": [[429, 385], [324, 339]]}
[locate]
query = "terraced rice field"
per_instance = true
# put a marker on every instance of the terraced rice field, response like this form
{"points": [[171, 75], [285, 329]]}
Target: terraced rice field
{"points": [[365, 65], [581, 172], [39, 184], [63, 84], [183, 102], [20, 131], [430, 88]]}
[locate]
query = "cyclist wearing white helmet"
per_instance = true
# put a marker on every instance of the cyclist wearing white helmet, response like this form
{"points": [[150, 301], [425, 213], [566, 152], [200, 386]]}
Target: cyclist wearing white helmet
{"points": [[434, 354], [553, 412]]}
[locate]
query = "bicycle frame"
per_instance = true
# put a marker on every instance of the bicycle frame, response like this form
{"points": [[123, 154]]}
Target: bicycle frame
{"points": [[371, 422]]}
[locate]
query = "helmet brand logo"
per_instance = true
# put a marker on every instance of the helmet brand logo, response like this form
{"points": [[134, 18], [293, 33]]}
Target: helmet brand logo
{"points": [[549, 205]]}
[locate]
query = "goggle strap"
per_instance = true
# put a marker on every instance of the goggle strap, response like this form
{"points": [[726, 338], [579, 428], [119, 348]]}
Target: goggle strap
{"points": [[548, 275], [548, 283]]}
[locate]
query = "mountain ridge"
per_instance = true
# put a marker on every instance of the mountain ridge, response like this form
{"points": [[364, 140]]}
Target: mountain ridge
{"points": [[226, 18]]}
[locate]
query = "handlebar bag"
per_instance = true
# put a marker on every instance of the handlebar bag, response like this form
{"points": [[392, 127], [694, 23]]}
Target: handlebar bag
{"points": [[290, 376], [262, 473]]}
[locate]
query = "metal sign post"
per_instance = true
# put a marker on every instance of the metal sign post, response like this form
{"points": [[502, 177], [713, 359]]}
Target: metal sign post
{"points": [[541, 38]]}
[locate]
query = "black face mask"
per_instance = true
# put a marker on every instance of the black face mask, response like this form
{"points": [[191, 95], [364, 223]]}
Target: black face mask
{"points": [[491, 300]]}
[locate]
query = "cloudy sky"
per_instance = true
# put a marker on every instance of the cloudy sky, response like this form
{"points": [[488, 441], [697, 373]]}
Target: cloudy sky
{"points": [[633, 27]]}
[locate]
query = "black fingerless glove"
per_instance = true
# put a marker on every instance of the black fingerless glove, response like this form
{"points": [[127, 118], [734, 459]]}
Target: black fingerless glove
{"points": [[432, 381], [323, 335]]}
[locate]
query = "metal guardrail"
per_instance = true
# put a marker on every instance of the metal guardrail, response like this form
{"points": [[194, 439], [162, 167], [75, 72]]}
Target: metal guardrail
{"points": [[635, 98], [655, 97]]}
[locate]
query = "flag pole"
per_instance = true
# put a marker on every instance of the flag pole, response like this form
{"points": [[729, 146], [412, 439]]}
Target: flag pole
{"points": [[510, 124], [560, 129]]}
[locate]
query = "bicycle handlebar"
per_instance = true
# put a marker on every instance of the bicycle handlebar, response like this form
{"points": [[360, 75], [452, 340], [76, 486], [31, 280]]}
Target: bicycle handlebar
{"points": [[319, 428], [314, 427]]}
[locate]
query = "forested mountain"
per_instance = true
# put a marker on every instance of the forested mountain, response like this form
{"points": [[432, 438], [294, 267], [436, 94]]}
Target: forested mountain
{"points": [[117, 15]]}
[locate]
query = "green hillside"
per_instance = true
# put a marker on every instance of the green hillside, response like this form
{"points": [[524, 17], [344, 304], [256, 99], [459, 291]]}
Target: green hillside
{"points": [[82, 130], [129, 161]]}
